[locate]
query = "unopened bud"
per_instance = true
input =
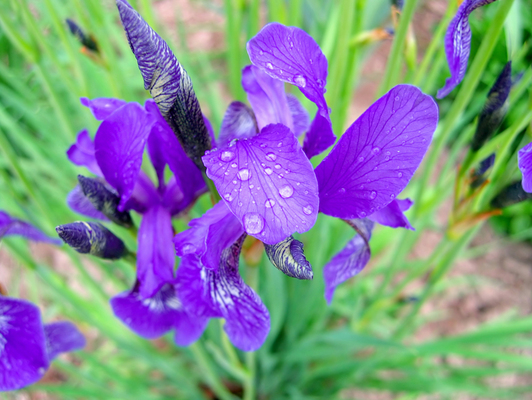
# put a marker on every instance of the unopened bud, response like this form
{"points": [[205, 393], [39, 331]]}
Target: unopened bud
{"points": [[92, 238], [288, 257], [511, 194], [86, 40], [478, 176]]}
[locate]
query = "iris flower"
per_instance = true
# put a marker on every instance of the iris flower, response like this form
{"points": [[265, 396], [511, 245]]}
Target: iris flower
{"points": [[17, 227]]}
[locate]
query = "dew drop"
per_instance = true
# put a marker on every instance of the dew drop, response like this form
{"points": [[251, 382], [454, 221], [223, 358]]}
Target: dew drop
{"points": [[396, 98], [240, 204], [376, 150], [234, 182], [268, 170], [261, 52], [251, 186], [277, 166], [320, 83], [254, 223], [244, 174], [269, 203], [228, 197], [269, 65], [279, 144], [227, 155], [400, 175], [373, 195], [188, 248], [341, 191], [392, 196], [360, 159], [233, 165], [362, 214], [286, 191], [308, 209], [271, 157], [300, 80]]}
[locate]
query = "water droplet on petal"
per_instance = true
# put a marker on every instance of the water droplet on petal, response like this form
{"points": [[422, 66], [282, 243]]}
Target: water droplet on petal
{"points": [[233, 165], [271, 157], [376, 150], [228, 197], [277, 166], [244, 174], [234, 182], [373, 195], [261, 52], [362, 214], [227, 155], [392, 196], [360, 159], [253, 223], [400, 175], [269, 203], [341, 191], [286, 191], [300, 81], [269, 65], [279, 144], [268, 170], [188, 248], [396, 98], [308, 209]]}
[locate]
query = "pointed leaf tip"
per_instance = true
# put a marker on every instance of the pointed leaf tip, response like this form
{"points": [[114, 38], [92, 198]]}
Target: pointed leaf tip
{"points": [[288, 257]]}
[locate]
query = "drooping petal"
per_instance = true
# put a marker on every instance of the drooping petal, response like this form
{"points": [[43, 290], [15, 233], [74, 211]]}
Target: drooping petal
{"points": [[119, 145], [92, 238], [458, 44], [392, 215], [319, 138], [376, 157], [238, 123], [77, 201], [62, 337], [350, 260], [154, 316], [23, 358], [209, 235], [104, 201], [168, 83], [14, 226], [291, 55], [102, 107], [224, 294], [300, 116], [524, 161], [82, 153], [155, 257], [268, 183], [267, 98], [288, 257]]}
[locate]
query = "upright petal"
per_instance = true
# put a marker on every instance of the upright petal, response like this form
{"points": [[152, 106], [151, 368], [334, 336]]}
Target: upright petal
{"points": [[300, 116], [154, 316], [287, 256], [79, 203], [458, 44], [23, 358], [319, 138], [267, 98], [392, 215], [102, 107], [291, 55], [119, 145], [268, 183], [82, 153], [238, 123], [13, 226], [155, 257], [62, 337], [524, 161], [350, 260], [168, 83], [224, 294], [376, 157]]}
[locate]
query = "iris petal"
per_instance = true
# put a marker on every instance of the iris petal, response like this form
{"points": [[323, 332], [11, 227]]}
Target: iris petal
{"points": [[14, 226], [102, 107], [62, 337], [392, 215], [78, 202], [238, 123], [82, 153], [524, 159]]}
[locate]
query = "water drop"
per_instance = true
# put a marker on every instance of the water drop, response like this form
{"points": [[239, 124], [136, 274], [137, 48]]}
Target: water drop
{"points": [[227, 155], [308, 209], [400, 175], [362, 214], [277, 166], [234, 182], [228, 197], [279, 144], [360, 159], [240, 204], [233, 165], [271, 157], [269, 203], [244, 174], [376, 150], [261, 52], [341, 191], [269, 65], [254, 223], [251, 186], [320, 83], [373, 195], [396, 98], [268, 170], [392, 196], [286, 191], [300, 81]]}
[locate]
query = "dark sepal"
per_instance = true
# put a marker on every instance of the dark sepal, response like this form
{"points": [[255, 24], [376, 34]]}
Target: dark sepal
{"points": [[92, 238], [511, 194], [104, 201], [288, 257], [168, 83]]}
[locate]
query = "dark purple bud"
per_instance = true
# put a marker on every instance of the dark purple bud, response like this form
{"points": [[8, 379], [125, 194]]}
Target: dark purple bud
{"points": [[511, 194], [398, 4], [478, 176], [288, 257], [104, 201], [92, 238], [86, 40], [494, 109], [168, 83]]}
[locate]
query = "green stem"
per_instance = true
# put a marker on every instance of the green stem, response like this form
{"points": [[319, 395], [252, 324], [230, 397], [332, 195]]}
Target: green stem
{"points": [[233, 29]]}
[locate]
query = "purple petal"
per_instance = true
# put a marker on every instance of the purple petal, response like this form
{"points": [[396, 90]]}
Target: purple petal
{"points": [[268, 183], [458, 44], [300, 116], [267, 98], [168, 83], [62, 337], [79, 203], [173, 197], [224, 294], [13, 226], [238, 123], [155, 258], [320, 136], [82, 153], [144, 195], [291, 55], [102, 107], [154, 316], [524, 161], [119, 144], [216, 230], [392, 215], [23, 358], [350, 260], [376, 157]]}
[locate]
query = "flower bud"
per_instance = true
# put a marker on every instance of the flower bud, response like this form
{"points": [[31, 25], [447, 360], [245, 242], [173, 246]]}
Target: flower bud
{"points": [[511, 194], [478, 175], [104, 201], [86, 41], [494, 109], [92, 238], [288, 257]]}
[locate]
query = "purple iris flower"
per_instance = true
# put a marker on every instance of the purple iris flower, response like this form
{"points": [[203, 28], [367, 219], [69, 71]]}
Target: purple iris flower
{"points": [[458, 44], [14, 226], [151, 307], [369, 166], [524, 161], [27, 346]]}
